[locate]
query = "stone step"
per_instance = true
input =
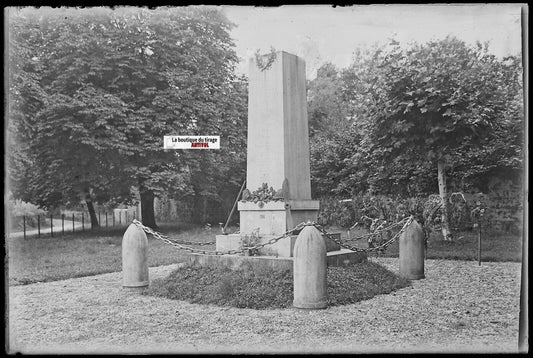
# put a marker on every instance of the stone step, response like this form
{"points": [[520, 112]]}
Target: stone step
{"points": [[283, 247], [334, 258]]}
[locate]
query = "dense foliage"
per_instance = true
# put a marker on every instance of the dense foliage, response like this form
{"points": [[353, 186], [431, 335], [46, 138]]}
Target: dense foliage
{"points": [[388, 118], [93, 92], [401, 120]]}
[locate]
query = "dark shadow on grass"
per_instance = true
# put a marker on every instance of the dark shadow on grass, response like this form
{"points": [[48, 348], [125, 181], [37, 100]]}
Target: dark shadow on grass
{"points": [[270, 289]]}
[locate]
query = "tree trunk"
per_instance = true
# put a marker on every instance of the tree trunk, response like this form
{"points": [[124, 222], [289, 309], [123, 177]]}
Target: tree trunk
{"points": [[90, 208], [198, 206], [147, 207], [445, 225], [204, 209]]}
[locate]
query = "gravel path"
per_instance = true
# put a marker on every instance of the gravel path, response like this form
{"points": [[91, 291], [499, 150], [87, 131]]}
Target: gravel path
{"points": [[459, 307]]}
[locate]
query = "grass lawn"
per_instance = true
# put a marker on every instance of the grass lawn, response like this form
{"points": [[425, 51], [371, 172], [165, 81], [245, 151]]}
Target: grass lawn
{"points": [[99, 251], [89, 253], [494, 246]]}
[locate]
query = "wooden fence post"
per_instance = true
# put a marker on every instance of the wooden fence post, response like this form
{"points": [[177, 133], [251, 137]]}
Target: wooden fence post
{"points": [[479, 244]]}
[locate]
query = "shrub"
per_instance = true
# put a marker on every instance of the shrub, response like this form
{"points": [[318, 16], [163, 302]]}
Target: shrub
{"points": [[393, 209], [347, 213], [18, 209]]}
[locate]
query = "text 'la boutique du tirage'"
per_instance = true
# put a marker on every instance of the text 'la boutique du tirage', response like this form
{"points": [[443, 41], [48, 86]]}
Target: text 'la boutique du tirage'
{"points": [[191, 142]]}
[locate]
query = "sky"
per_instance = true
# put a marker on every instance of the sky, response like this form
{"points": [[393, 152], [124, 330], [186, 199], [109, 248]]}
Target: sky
{"points": [[321, 33]]}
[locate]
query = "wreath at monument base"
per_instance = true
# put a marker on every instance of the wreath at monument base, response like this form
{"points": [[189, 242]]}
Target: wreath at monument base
{"points": [[262, 195]]}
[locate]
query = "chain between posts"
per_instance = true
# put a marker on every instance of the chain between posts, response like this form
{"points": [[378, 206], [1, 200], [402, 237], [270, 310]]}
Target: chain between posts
{"points": [[377, 232], [406, 222], [180, 244]]}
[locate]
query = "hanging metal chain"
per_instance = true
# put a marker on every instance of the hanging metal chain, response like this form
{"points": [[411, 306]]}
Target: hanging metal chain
{"points": [[149, 230], [192, 242], [406, 222], [377, 232], [364, 217], [180, 246]]}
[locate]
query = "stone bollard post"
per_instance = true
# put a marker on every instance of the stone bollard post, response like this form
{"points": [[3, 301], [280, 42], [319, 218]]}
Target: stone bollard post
{"points": [[310, 286], [412, 252], [134, 258]]}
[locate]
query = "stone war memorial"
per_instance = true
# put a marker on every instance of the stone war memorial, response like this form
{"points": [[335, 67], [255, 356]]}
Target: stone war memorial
{"points": [[278, 226], [278, 163]]}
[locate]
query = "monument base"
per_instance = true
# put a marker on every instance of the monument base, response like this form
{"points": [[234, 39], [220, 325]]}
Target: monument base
{"points": [[276, 217], [343, 257]]}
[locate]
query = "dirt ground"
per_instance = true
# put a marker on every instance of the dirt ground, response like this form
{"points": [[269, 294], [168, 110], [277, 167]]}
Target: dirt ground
{"points": [[458, 307]]}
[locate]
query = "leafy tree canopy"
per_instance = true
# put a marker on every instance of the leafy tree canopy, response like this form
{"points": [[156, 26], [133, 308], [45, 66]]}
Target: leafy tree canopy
{"points": [[100, 88]]}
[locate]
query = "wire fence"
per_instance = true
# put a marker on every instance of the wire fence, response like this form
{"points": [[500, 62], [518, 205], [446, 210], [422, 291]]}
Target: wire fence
{"points": [[59, 224]]}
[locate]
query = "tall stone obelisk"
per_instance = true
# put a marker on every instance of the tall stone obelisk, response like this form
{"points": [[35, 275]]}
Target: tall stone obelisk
{"points": [[278, 152], [278, 135]]}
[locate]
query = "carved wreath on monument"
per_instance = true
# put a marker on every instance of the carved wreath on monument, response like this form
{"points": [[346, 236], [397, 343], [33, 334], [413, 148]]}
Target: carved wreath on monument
{"points": [[263, 195], [264, 62]]}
